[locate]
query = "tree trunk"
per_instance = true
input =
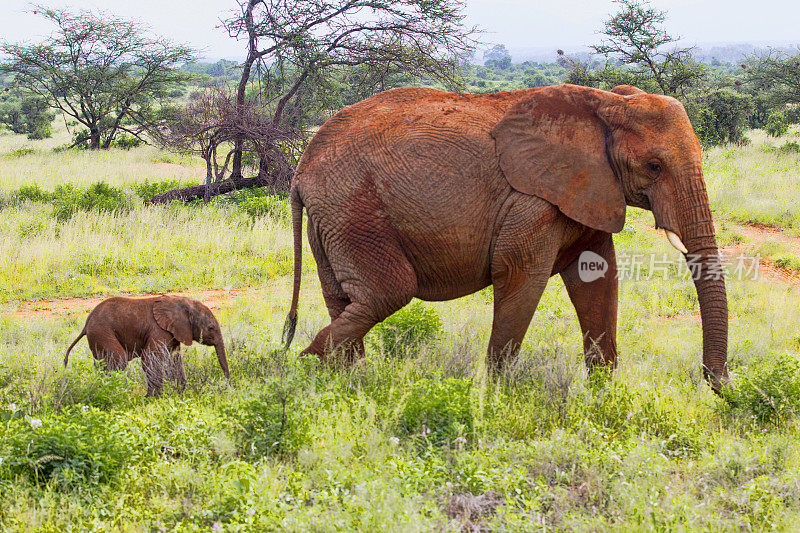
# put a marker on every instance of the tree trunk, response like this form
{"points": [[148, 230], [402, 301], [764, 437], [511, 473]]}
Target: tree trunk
{"points": [[199, 191], [94, 139]]}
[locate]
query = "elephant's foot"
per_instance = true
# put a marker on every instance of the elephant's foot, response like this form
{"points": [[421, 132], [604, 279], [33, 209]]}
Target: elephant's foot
{"points": [[345, 353]]}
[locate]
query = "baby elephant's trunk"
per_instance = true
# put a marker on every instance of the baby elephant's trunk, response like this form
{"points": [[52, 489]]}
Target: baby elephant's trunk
{"points": [[223, 361]]}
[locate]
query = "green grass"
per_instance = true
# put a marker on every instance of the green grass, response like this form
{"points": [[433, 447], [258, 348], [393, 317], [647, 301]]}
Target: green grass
{"points": [[396, 442], [758, 183], [25, 162], [413, 437], [146, 249]]}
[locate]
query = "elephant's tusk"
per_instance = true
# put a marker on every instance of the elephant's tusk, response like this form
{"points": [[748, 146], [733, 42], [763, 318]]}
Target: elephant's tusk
{"points": [[675, 241]]}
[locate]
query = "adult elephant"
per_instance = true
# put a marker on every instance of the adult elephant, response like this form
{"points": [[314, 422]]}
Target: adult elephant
{"points": [[422, 193]]}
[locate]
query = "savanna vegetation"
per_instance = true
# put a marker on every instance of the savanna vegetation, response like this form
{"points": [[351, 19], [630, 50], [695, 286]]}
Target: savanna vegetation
{"points": [[413, 437], [416, 436]]}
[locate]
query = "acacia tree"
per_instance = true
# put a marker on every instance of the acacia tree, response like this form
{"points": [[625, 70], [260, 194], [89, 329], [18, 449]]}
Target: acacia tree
{"points": [[213, 120], [296, 47], [636, 38], [775, 74], [100, 71]]}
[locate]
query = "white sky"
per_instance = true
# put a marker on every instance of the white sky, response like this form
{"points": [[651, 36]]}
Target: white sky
{"points": [[516, 23]]}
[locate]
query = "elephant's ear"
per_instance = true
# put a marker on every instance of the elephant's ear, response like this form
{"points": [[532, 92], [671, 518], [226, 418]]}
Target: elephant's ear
{"points": [[172, 315], [553, 145]]}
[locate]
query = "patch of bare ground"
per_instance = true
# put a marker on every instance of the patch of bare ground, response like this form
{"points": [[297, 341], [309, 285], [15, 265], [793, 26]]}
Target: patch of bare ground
{"points": [[758, 234], [176, 168], [214, 299]]}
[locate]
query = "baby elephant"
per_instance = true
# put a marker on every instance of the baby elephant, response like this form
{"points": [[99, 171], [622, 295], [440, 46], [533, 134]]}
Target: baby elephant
{"points": [[120, 329]]}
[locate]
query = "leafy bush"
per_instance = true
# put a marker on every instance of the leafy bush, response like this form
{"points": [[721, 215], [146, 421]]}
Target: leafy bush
{"points": [[32, 193], [126, 142], [100, 196], [148, 190], [407, 329], [768, 392], [438, 411], [720, 117], [22, 152], [42, 131], [790, 147], [272, 424], [78, 447], [276, 207], [777, 125]]}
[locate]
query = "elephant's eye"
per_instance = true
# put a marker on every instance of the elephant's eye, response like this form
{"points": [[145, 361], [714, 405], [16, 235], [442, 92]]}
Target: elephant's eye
{"points": [[654, 167]]}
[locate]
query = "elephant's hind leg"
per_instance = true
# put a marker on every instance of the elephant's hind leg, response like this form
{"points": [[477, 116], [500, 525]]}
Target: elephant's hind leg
{"points": [[106, 348], [376, 280]]}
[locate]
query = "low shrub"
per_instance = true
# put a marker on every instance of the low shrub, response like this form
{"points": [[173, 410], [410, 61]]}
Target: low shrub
{"points": [[79, 447], [768, 392], [100, 196], [42, 131], [22, 152], [438, 411], [276, 207], [126, 142], [274, 423], [777, 125], [147, 189], [790, 147], [407, 329], [32, 193]]}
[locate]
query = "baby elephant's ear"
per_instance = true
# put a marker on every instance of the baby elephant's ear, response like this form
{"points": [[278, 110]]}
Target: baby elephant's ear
{"points": [[172, 314]]}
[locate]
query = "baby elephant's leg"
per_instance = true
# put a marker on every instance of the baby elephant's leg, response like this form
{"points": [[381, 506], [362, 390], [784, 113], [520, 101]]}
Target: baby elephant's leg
{"points": [[176, 364], [154, 356], [106, 348]]}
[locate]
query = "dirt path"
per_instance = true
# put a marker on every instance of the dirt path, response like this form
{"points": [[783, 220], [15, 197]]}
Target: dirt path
{"points": [[758, 234], [215, 299]]}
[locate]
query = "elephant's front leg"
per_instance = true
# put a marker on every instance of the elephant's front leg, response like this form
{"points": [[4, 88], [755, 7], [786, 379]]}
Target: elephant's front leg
{"points": [[176, 366], [154, 357], [595, 302], [521, 265]]}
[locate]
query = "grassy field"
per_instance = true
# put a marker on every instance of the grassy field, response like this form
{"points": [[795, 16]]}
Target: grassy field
{"points": [[757, 183], [415, 437]]}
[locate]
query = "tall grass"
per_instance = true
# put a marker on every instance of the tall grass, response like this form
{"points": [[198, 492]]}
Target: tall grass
{"points": [[117, 167], [758, 183], [421, 438], [146, 249]]}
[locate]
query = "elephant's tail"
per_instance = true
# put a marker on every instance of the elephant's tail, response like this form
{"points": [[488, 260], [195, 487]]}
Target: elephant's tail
{"points": [[297, 232], [71, 346]]}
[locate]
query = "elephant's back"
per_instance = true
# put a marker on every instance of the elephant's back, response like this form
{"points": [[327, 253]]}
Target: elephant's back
{"points": [[423, 163], [422, 142]]}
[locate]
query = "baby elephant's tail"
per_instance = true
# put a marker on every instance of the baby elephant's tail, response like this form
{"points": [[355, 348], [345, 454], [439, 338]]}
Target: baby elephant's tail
{"points": [[66, 357]]}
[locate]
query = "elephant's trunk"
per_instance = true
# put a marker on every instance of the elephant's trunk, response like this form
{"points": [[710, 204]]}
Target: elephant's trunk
{"points": [[697, 232], [223, 361]]}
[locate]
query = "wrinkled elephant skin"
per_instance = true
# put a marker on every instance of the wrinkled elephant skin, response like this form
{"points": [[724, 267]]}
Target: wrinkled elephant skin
{"points": [[421, 193]]}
